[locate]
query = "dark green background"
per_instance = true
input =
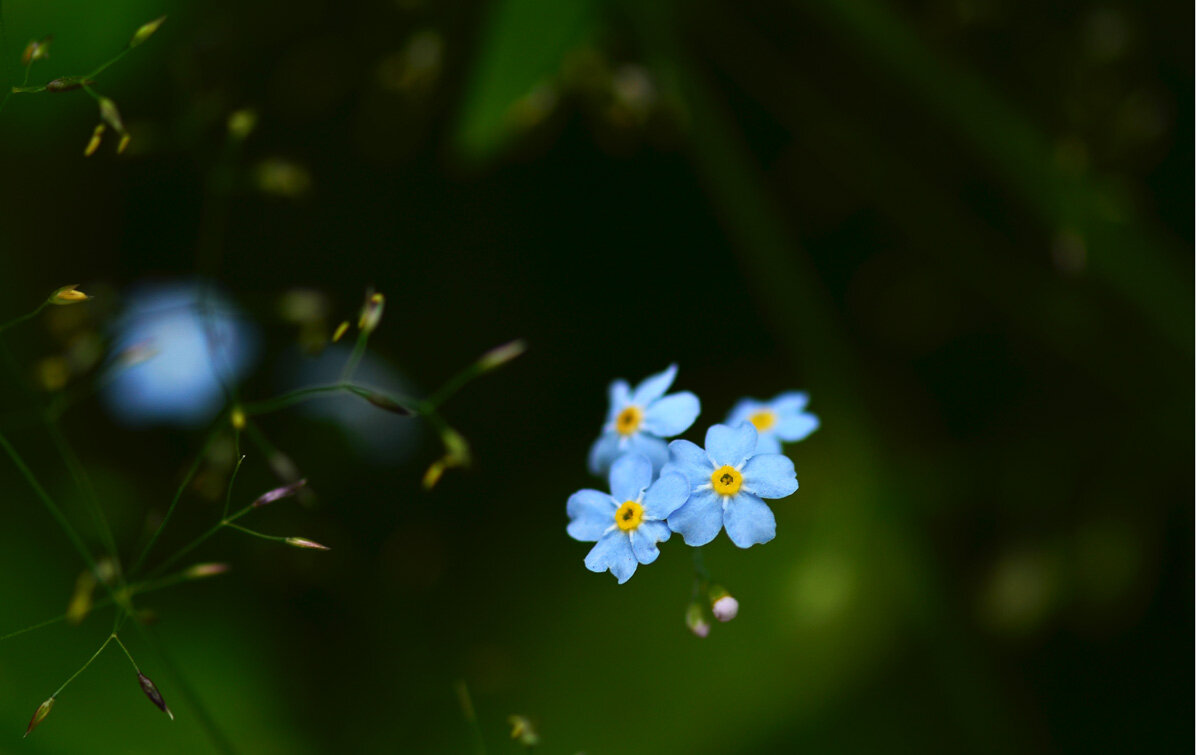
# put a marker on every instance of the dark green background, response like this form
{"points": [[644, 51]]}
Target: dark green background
{"points": [[963, 226]]}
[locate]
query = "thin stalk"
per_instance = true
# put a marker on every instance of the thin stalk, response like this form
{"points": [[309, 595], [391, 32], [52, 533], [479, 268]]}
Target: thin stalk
{"points": [[191, 473]]}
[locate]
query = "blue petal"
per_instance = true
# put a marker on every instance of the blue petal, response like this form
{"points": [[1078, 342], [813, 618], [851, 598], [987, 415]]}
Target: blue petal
{"points": [[653, 387], [668, 493], [742, 411], [768, 443], [698, 520], [591, 515], [730, 445], [618, 398], [646, 538], [789, 403], [630, 475], [613, 553], [671, 415], [770, 476], [749, 521], [606, 448], [654, 449], [794, 427], [691, 461]]}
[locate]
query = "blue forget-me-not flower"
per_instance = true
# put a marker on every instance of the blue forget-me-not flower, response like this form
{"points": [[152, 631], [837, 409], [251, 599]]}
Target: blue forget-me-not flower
{"points": [[781, 419], [628, 525], [728, 482], [638, 420]]}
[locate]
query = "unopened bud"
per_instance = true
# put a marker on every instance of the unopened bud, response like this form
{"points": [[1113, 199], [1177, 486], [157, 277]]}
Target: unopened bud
{"points": [[277, 493], [341, 330], [110, 115], [523, 731], [383, 401], [124, 143], [694, 618], [154, 695], [299, 542], [68, 294], [94, 143], [200, 571], [67, 84], [725, 609], [502, 354], [146, 30], [39, 715], [237, 418], [372, 311], [37, 49]]}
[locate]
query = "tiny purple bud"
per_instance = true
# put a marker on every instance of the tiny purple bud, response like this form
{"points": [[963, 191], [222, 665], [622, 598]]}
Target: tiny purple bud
{"points": [[154, 695], [281, 492], [299, 542], [725, 609]]}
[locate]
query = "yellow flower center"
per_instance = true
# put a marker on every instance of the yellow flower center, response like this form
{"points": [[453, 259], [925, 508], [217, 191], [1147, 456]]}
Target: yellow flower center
{"points": [[763, 420], [727, 480], [629, 516], [629, 420]]}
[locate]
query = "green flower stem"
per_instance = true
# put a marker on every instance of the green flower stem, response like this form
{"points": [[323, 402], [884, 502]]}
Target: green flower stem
{"points": [[26, 316], [187, 479], [117, 640], [138, 588], [82, 668]]}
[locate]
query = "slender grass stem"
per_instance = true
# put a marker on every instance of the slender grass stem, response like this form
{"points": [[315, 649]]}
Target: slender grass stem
{"points": [[229, 489], [27, 316], [82, 668], [187, 479], [139, 588], [121, 645], [48, 503]]}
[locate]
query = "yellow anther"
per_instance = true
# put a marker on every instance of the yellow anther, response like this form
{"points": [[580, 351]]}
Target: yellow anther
{"points": [[763, 420], [727, 480], [629, 516], [629, 420]]}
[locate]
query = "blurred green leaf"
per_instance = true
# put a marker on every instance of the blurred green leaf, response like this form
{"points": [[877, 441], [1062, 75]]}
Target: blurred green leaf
{"points": [[523, 44]]}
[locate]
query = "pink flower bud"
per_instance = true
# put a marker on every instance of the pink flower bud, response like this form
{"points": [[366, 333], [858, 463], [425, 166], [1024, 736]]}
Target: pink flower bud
{"points": [[725, 609]]}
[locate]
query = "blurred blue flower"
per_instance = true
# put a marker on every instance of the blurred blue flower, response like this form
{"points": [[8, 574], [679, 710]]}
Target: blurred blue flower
{"points": [[638, 420], [196, 341], [628, 525], [728, 482], [781, 419], [378, 436]]}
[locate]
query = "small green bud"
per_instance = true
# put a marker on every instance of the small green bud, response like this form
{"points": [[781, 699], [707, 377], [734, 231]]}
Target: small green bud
{"points": [[502, 354], [39, 715], [146, 30], [523, 731], [694, 619], [110, 115], [37, 49]]}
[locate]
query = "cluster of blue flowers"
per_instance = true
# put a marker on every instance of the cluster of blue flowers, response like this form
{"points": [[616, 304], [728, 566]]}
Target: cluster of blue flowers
{"points": [[658, 488]]}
